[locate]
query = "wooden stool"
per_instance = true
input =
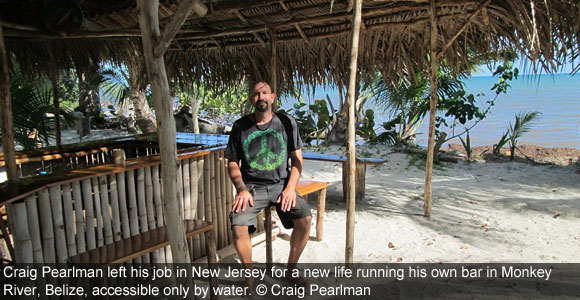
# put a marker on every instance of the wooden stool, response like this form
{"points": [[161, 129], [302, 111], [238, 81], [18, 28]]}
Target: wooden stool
{"points": [[304, 187]]}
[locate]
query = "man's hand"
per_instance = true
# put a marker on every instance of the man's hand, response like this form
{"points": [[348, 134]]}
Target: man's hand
{"points": [[288, 199], [241, 201]]}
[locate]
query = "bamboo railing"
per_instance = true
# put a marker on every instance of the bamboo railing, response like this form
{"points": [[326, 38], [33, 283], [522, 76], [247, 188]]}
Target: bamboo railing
{"points": [[58, 216]]}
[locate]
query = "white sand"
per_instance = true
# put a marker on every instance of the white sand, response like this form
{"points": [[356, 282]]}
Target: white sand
{"points": [[482, 212]]}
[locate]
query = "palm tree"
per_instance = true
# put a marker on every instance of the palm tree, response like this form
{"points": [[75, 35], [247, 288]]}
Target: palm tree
{"points": [[523, 124], [31, 102], [408, 103], [129, 82]]}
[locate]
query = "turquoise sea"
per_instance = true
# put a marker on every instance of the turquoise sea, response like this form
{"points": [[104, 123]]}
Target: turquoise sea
{"points": [[556, 96]]}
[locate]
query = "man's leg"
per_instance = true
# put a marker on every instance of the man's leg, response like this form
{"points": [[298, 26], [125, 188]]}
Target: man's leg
{"points": [[243, 244], [298, 239]]}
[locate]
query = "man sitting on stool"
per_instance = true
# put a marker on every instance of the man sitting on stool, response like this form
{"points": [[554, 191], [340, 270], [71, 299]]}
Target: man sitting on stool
{"points": [[263, 142]]}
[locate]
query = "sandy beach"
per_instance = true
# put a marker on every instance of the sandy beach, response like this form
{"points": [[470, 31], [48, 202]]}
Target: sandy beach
{"points": [[482, 212]]}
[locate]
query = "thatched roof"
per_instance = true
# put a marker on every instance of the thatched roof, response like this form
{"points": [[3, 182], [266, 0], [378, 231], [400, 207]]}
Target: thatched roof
{"points": [[312, 35]]}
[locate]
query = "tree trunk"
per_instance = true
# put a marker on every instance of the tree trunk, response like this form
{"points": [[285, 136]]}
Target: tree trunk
{"points": [[194, 115], [149, 25], [6, 112], [351, 147], [143, 114], [89, 101], [337, 134]]}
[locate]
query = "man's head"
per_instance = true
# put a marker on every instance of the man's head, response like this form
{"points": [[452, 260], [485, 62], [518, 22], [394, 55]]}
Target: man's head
{"points": [[262, 97]]}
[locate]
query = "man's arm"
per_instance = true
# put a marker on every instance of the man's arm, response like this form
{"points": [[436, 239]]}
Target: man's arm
{"points": [[288, 196], [243, 196]]}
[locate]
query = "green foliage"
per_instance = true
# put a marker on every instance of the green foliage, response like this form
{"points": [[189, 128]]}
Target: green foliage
{"points": [[31, 101], [115, 84], [68, 90], [312, 120], [366, 129], [214, 103], [502, 142], [523, 124], [467, 146]]}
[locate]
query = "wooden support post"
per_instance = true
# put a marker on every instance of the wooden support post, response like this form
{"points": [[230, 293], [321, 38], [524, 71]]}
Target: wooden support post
{"points": [[351, 147], [274, 67], [151, 38], [53, 74], [268, 229], [320, 214], [432, 110], [6, 112]]}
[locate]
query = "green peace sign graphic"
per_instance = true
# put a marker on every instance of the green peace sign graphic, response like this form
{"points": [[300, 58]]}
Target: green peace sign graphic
{"points": [[269, 160]]}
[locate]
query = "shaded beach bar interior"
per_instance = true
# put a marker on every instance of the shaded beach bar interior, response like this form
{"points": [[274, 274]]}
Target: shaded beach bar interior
{"points": [[77, 198]]}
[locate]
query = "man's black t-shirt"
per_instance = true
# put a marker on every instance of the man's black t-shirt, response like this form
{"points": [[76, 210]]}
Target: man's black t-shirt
{"points": [[263, 150]]}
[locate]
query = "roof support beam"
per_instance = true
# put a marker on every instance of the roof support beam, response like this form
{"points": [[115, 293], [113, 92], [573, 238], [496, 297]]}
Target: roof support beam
{"points": [[255, 34], [462, 29], [274, 72], [6, 112], [149, 24], [297, 26], [432, 109], [302, 34], [351, 147], [175, 22]]}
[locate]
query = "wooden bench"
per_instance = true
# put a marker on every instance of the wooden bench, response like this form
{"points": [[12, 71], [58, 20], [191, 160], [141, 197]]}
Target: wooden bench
{"points": [[361, 167], [135, 246], [304, 188]]}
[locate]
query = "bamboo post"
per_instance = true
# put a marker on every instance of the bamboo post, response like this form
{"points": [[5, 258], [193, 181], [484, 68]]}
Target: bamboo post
{"points": [[133, 214], [79, 218], [186, 188], [149, 199], [34, 224], [68, 219], [57, 217], [201, 196], [157, 196], [89, 214], [141, 207], [351, 147], [180, 190], [223, 197], [194, 181], [22, 240], [106, 209], [432, 109], [213, 198], [98, 212], [115, 215], [47, 232], [123, 211], [153, 39], [6, 112], [218, 201]]}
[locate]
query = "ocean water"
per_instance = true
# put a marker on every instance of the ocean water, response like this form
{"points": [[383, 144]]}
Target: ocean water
{"points": [[555, 96]]}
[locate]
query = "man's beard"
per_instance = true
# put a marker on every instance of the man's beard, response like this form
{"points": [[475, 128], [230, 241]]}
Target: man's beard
{"points": [[262, 108]]}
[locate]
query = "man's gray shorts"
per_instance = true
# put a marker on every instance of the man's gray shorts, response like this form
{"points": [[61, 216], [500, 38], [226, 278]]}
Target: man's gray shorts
{"points": [[266, 196]]}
